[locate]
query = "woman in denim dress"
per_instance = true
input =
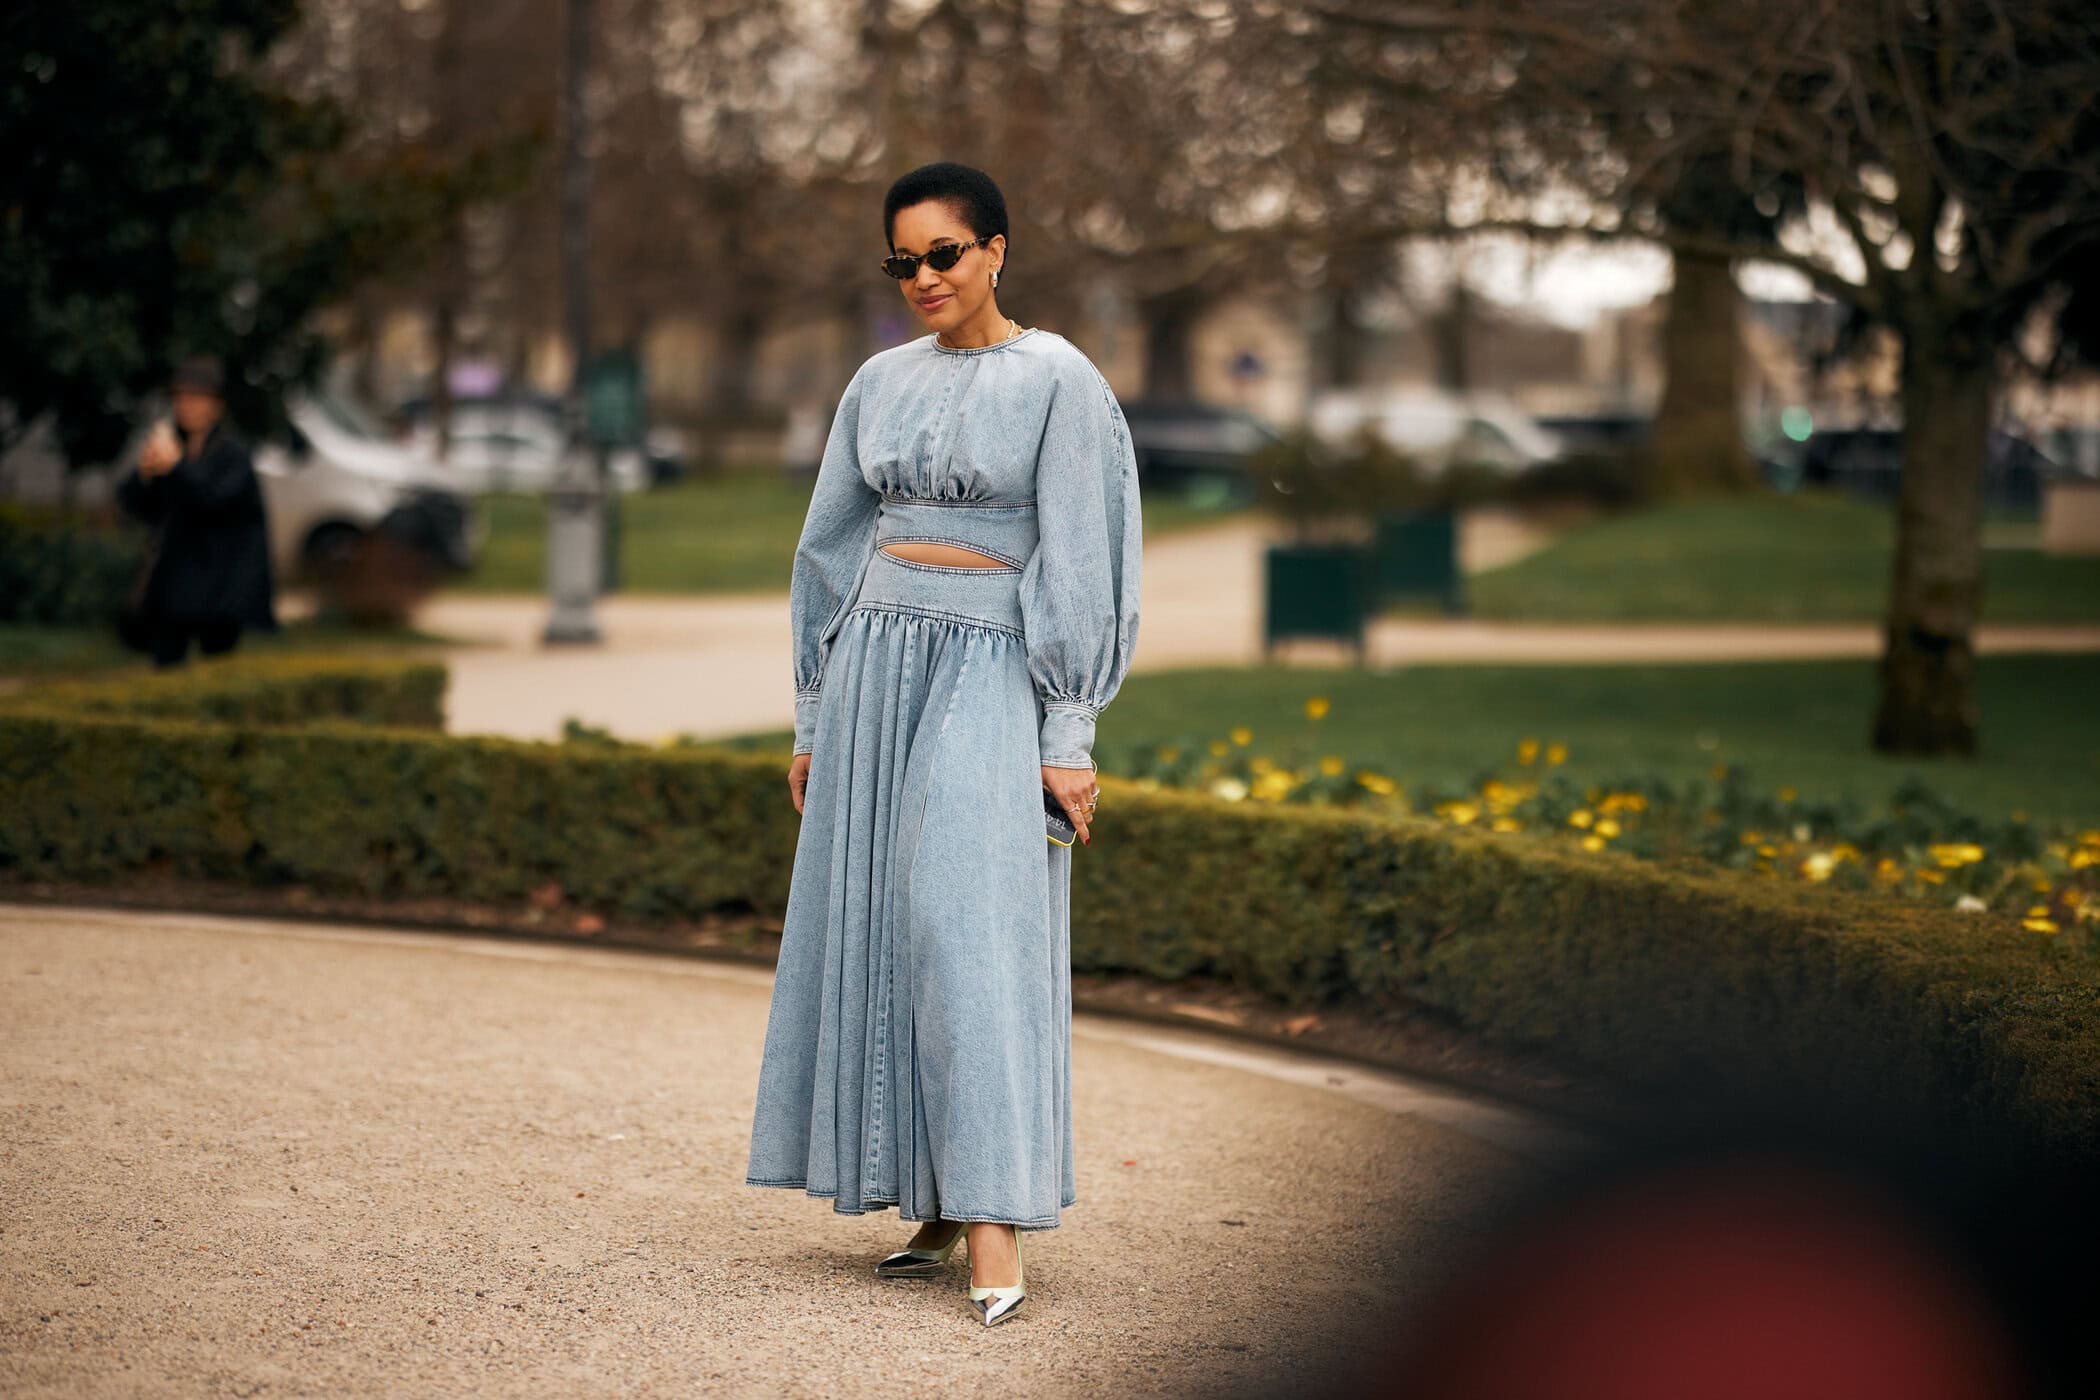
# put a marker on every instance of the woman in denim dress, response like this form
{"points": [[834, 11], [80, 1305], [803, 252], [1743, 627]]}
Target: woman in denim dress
{"points": [[964, 603]]}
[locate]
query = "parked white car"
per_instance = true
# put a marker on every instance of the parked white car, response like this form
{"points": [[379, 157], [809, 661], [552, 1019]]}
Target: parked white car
{"points": [[513, 445], [1435, 428], [343, 476]]}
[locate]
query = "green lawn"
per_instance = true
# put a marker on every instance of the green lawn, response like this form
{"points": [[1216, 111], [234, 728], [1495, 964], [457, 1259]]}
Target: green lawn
{"points": [[735, 533], [1807, 557], [1785, 723]]}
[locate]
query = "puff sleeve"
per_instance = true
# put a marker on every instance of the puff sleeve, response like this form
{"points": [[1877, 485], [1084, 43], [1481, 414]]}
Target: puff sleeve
{"points": [[1079, 590], [838, 536]]}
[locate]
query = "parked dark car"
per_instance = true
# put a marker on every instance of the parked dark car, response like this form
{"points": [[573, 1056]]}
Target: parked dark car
{"points": [[1598, 432], [1180, 444], [1868, 462]]}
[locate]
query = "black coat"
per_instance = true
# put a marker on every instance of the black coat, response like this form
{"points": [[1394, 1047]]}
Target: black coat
{"points": [[211, 559]]}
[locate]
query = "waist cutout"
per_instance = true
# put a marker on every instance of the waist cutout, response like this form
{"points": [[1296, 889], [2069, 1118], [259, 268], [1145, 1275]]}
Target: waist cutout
{"points": [[1005, 531], [987, 597]]}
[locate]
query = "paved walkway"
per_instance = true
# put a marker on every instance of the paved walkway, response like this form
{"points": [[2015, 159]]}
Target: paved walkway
{"points": [[245, 1157], [718, 665]]}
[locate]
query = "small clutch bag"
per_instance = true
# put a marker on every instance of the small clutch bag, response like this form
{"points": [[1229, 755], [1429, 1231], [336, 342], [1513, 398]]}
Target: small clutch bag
{"points": [[1056, 824]]}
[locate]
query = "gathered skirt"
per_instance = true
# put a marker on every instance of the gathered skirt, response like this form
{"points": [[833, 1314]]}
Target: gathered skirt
{"points": [[918, 1049]]}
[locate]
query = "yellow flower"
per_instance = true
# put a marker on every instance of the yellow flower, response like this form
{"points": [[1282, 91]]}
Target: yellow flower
{"points": [[1768, 850], [2089, 838], [1242, 735], [1786, 794], [1500, 796], [1931, 877], [1593, 842], [2088, 910], [1887, 871], [1556, 753], [2038, 911], [1581, 816], [1331, 764], [1231, 789], [2033, 925], [1376, 782], [1507, 824], [1272, 785], [1219, 746], [1818, 866], [1316, 707], [2084, 856], [1607, 827], [1460, 812], [2041, 886], [1954, 853], [1527, 750], [1845, 850]]}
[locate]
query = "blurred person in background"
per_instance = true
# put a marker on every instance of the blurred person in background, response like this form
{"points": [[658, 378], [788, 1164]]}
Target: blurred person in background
{"points": [[207, 571]]}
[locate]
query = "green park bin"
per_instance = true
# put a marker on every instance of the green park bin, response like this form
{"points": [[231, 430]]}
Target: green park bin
{"points": [[1316, 590], [1415, 553], [616, 415]]}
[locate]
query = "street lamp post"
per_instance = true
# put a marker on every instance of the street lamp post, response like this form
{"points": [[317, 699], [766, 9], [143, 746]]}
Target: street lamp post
{"points": [[575, 532]]}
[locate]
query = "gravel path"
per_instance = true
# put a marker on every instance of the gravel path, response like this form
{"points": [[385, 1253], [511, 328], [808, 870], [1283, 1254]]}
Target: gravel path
{"points": [[257, 1158]]}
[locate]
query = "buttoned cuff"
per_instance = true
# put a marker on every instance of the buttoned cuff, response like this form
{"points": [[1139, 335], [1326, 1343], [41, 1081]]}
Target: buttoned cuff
{"points": [[806, 720], [1068, 736]]}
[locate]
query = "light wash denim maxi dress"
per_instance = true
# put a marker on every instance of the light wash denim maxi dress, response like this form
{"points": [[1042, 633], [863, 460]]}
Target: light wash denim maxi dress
{"points": [[918, 1051]]}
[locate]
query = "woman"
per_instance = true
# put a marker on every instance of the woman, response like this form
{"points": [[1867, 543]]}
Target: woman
{"points": [[964, 602], [208, 574]]}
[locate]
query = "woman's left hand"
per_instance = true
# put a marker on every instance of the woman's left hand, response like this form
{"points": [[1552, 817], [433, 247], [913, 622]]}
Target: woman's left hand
{"points": [[1075, 789]]}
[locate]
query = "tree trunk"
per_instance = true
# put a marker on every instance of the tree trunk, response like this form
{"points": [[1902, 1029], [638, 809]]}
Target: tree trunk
{"points": [[1345, 346], [1697, 442], [1451, 340], [1169, 321], [1928, 662], [445, 336]]}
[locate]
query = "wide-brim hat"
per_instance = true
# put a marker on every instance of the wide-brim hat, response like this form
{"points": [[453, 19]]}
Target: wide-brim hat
{"points": [[201, 373]]}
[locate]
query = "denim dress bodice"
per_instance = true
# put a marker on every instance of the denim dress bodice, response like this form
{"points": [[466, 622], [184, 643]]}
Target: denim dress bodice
{"points": [[1017, 450]]}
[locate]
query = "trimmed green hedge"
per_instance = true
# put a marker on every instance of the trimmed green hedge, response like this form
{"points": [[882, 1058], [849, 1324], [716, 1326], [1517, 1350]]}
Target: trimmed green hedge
{"points": [[1719, 980], [260, 690]]}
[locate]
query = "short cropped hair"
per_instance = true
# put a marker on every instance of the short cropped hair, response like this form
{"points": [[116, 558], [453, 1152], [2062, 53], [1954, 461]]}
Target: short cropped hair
{"points": [[965, 189]]}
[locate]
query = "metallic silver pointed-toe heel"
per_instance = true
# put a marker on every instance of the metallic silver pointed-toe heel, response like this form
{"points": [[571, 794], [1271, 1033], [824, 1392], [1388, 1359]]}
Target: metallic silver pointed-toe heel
{"points": [[998, 1302], [920, 1263]]}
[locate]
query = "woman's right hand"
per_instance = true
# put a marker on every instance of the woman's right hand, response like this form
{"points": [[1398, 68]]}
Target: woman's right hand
{"points": [[798, 779]]}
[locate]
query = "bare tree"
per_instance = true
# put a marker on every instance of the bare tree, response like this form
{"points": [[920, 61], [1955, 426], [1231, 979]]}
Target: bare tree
{"points": [[1949, 154]]}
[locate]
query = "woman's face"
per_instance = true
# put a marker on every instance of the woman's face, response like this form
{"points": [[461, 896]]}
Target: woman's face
{"points": [[195, 411], [944, 300]]}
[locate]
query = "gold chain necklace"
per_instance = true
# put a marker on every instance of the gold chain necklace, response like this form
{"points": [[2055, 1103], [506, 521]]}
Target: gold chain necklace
{"points": [[1013, 328]]}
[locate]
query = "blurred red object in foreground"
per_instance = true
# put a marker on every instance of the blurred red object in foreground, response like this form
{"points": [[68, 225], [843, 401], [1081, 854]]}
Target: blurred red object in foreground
{"points": [[1736, 1282]]}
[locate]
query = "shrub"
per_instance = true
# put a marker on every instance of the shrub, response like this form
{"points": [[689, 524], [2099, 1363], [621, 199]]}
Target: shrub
{"points": [[64, 570]]}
